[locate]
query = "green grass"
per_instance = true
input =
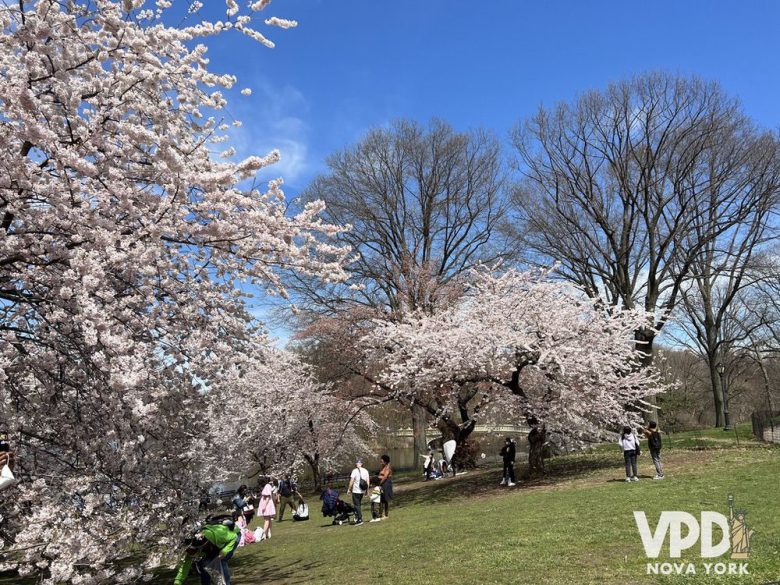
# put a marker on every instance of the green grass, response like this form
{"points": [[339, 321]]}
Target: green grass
{"points": [[573, 526]]}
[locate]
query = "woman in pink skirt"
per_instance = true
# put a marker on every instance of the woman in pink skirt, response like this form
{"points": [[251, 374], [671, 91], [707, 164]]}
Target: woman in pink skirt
{"points": [[267, 510]]}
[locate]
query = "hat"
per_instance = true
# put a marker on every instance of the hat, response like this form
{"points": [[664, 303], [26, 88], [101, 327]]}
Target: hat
{"points": [[358, 461]]}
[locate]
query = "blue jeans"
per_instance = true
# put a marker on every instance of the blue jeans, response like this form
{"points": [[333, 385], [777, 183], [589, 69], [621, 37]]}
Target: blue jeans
{"points": [[205, 579]]}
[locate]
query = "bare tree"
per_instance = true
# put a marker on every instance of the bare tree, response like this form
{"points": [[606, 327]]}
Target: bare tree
{"points": [[424, 205], [616, 184]]}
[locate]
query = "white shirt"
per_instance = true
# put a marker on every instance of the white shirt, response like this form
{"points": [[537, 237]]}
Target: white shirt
{"points": [[628, 443], [355, 478]]}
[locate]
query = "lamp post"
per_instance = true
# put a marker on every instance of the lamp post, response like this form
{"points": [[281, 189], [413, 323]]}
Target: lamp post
{"points": [[724, 388]]}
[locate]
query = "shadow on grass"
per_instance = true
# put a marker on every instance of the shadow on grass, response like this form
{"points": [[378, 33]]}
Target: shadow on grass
{"points": [[485, 482], [254, 568], [261, 570]]}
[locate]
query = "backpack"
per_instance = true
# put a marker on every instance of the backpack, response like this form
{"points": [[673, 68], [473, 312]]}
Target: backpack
{"points": [[654, 441], [284, 488]]}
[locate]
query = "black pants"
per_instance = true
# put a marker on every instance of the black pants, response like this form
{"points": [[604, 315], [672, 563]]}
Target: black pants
{"points": [[509, 471], [357, 501]]}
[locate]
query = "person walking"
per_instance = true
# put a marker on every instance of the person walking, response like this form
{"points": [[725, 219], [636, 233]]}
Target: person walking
{"points": [[508, 452], [359, 484], [630, 445], [267, 510], [287, 491], [654, 443], [386, 483]]}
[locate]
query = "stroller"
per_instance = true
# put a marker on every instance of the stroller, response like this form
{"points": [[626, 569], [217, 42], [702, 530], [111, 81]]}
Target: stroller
{"points": [[334, 506]]}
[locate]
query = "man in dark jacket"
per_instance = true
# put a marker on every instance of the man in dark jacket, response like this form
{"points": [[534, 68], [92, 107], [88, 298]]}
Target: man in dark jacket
{"points": [[508, 454]]}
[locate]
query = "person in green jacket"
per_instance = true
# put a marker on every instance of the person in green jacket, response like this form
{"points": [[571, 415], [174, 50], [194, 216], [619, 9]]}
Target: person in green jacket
{"points": [[213, 540]]}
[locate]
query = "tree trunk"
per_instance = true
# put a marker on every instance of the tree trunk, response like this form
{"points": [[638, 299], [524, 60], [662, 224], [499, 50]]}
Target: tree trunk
{"points": [[717, 391], [419, 423], [465, 455], [314, 464], [644, 342], [536, 440]]}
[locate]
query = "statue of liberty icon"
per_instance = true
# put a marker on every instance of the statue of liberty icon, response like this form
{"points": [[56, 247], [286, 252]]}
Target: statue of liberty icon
{"points": [[740, 532]]}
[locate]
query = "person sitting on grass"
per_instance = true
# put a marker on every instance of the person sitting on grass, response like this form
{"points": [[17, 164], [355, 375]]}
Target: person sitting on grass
{"points": [[214, 542], [302, 511], [630, 445], [653, 434]]}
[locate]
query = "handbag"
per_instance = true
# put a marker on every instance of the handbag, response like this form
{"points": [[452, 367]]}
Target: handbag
{"points": [[7, 478], [362, 484]]}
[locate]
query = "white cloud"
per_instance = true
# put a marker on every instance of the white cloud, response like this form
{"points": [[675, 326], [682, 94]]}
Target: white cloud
{"points": [[274, 118]]}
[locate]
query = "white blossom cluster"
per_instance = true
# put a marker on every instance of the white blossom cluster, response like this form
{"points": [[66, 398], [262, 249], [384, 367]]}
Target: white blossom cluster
{"points": [[576, 365], [125, 245]]}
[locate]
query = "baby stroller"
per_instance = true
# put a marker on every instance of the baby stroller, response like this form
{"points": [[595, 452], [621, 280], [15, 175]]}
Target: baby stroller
{"points": [[334, 506]]}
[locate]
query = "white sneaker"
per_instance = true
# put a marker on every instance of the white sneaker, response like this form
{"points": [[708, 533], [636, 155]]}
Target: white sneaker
{"points": [[375, 519], [503, 482], [636, 478], [511, 484], [628, 480]]}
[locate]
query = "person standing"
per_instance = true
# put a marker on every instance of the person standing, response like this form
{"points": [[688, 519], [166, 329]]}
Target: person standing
{"points": [[359, 484], [654, 443], [267, 510], [630, 445], [287, 490], [386, 483], [508, 452]]}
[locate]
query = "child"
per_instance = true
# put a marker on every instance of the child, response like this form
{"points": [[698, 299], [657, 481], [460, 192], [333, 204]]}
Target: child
{"points": [[267, 510], [630, 445], [376, 504], [653, 435]]}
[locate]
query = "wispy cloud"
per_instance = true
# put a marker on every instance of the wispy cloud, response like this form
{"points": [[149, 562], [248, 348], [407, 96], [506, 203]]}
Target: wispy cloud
{"points": [[274, 118]]}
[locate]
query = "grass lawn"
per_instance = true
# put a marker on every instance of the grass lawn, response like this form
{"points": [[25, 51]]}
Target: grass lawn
{"points": [[574, 526]]}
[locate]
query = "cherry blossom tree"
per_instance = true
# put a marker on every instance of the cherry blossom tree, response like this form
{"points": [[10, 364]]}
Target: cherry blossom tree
{"points": [[538, 349], [126, 242], [280, 419]]}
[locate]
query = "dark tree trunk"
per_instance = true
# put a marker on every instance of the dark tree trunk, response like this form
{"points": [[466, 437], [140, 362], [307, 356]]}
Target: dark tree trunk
{"points": [[644, 342], [536, 440], [465, 456], [314, 464], [717, 391], [419, 423]]}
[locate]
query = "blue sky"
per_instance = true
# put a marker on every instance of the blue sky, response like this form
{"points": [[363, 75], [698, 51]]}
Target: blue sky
{"points": [[354, 64]]}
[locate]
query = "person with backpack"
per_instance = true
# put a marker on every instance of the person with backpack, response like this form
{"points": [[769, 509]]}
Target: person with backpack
{"points": [[654, 443], [359, 484], [508, 452], [287, 489], [630, 445]]}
